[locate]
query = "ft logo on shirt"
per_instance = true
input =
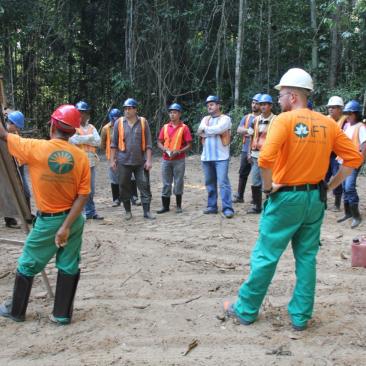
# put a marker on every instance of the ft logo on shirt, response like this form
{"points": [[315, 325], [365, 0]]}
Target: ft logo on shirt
{"points": [[301, 130], [61, 162]]}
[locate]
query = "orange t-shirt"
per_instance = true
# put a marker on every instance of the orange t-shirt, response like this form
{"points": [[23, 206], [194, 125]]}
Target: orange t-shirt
{"points": [[59, 171], [299, 144]]}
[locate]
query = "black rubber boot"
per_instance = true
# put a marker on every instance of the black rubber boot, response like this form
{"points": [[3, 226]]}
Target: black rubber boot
{"points": [[11, 223], [147, 213], [115, 195], [64, 298], [252, 202], [257, 196], [347, 213], [178, 200], [355, 216], [166, 203], [337, 203], [239, 196], [15, 309], [127, 206]]}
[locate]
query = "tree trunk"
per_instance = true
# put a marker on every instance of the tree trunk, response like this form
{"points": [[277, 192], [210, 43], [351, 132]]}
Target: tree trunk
{"points": [[239, 52], [269, 34], [334, 50], [314, 47]]}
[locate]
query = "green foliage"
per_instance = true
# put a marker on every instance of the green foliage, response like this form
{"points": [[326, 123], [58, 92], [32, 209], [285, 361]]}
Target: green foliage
{"points": [[163, 51]]}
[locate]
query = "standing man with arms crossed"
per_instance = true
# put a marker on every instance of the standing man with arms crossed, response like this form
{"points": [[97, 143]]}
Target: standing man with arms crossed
{"points": [[294, 161], [174, 140], [131, 152], [87, 139], [214, 131], [60, 178], [245, 129]]}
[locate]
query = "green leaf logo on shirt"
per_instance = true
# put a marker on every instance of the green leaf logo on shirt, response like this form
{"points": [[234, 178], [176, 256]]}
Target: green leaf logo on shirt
{"points": [[61, 162], [301, 130]]}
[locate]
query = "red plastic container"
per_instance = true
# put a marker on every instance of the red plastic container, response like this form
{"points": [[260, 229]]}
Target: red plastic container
{"points": [[359, 252]]}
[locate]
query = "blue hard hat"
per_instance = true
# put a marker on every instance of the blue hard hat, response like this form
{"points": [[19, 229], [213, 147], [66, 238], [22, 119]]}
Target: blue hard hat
{"points": [[310, 104], [257, 97], [213, 98], [265, 98], [175, 107], [17, 118], [130, 102], [352, 106], [82, 106], [114, 114]]}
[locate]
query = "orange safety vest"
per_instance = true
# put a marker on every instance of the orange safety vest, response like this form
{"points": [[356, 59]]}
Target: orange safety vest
{"points": [[176, 141], [341, 121], [85, 147], [260, 137], [225, 136], [246, 125], [121, 134], [356, 135], [107, 129]]}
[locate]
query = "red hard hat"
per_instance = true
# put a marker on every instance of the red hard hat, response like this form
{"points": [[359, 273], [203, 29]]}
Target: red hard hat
{"points": [[67, 114]]}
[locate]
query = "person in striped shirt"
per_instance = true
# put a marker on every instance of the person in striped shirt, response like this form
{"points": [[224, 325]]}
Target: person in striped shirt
{"points": [[214, 131]]}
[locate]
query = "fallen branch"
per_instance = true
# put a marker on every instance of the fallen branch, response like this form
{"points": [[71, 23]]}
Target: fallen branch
{"points": [[141, 307], [212, 263], [187, 301], [6, 274], [130, 276], [191, 346]]}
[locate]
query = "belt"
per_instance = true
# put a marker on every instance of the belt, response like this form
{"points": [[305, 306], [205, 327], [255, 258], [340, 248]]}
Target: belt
{"points": [[52, 214], [303, 187]]}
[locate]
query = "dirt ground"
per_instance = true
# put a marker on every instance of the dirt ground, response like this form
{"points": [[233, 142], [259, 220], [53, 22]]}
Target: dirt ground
{"points": [[150, 289]]}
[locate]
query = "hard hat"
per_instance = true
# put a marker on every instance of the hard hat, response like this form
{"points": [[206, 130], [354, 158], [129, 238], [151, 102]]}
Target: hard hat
{"points": [[175, 107], [265, 98], [130, 102], [297, 78], [69, 115], [352, 106], [17, 118], [213, 98], [114, 114], [257, 97], [310, 104], [82, 106], [335, 101]]}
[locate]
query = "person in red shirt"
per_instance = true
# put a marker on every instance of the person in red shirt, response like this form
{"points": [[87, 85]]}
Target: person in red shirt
{"points": [[60, 177], [174, 140]]}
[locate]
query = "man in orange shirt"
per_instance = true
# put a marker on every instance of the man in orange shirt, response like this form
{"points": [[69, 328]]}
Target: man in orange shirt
{"points": [[294, 160], [60, 178], [174, 140]]}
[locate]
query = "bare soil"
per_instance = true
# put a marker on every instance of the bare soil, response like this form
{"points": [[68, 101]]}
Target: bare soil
{"points": [[149, 289]]}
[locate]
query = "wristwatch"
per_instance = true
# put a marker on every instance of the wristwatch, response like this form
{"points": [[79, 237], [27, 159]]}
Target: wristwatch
{"points": [[267, 191]]}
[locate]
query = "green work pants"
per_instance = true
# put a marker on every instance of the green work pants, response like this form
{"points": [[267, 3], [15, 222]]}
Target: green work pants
{"points": [[295, 216], [40, 246]]}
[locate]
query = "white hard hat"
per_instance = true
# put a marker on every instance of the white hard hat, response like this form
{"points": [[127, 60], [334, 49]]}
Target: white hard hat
{"points": [[297, 78], [335, 101]]}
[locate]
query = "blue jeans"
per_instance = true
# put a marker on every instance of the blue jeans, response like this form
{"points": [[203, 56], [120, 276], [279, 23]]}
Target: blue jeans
{"points": [[216, 172], [256, 173], [90, 206], [349, 188], [332, 171]]}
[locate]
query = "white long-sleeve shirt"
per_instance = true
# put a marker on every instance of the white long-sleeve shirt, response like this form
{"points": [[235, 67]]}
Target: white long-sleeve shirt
{"points": [[92, 139], [213, 149]]}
